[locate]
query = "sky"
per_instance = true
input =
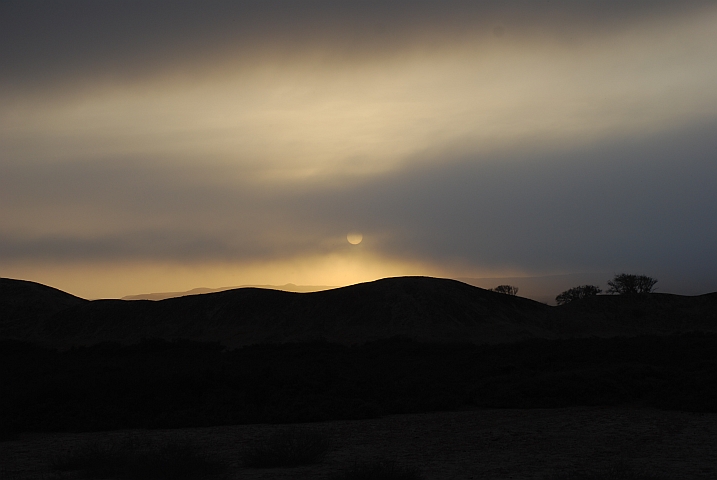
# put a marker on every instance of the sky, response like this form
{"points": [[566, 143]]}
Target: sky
{"points": [[162, 146]]}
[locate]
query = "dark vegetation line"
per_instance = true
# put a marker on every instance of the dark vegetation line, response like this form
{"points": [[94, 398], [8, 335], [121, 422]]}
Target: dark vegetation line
{"points": [[161, 384], [137, 458]]}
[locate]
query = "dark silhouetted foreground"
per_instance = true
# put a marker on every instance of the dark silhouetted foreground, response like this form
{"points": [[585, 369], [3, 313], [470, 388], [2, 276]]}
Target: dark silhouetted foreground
{"points": [[136, 458], [160, 384], [422, 308]]}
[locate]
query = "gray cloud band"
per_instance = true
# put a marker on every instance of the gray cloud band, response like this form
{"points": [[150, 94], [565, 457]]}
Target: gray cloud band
{"points": [[48, 43], [647, 203]]}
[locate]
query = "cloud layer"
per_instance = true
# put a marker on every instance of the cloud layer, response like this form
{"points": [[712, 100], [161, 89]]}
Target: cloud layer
{"points": [[460, 138]]}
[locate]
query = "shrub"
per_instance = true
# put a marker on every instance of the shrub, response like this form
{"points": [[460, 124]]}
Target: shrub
{"points": [[616, 472], [288, 448], [506, 289], [576, 293], [379, 470], [134, 459], [625, 284]]}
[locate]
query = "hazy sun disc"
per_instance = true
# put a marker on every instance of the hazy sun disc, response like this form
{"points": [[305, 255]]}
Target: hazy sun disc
{"points": [[354, 238]]}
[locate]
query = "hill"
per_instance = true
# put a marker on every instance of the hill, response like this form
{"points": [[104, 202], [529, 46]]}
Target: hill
{"points": [[604, 350], [289, 287], [24, 305], [629, 315], [418, 307], [421, 308]]}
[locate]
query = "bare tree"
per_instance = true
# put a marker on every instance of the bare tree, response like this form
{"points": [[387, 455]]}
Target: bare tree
{"points": [[506, 289], [625, 284], [576, 293]]}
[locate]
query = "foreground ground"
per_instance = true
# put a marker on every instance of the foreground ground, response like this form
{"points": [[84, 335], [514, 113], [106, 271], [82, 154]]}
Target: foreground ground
{"points": [[479, 444]]}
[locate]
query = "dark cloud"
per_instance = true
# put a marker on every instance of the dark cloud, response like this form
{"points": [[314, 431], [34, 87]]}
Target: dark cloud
{"points": [[642, 205], [628, 205], [73, 43]]}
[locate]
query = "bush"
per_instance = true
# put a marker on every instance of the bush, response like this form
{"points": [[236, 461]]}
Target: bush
{"points": [[616, 472], [577, 293], [506, 289], [379, 470], [624, 284], [288, 448], [134, 459]]}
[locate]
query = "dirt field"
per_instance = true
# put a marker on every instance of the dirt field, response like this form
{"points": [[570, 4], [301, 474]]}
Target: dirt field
{"points": [[481, 444]]}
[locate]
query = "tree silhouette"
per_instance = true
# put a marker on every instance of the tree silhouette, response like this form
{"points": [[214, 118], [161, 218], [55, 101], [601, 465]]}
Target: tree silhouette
{"points": [[625, 284], [576, 293], [506, 289]]}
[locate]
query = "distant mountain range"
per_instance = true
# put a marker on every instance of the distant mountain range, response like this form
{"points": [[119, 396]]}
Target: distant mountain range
{"points": [[289, 287], [422, 308], [539, 288]]}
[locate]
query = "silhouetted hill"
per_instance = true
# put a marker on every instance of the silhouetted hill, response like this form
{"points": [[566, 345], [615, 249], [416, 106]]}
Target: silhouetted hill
{"points": [[289, 287], [655, 313], [421, 308], [24, 305]]}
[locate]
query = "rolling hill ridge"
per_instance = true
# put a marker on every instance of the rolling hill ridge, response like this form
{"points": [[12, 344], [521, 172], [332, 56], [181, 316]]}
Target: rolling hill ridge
{"points": [[422, 308]]}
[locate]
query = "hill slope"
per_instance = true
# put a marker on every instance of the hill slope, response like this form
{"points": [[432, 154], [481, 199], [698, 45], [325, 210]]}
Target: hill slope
{"points": [[24, 305], [628, 315], [289, 287], [422, 308], [418, 307]]}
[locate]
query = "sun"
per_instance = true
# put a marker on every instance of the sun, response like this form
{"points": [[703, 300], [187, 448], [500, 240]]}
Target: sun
{"points": [[354, 238]]}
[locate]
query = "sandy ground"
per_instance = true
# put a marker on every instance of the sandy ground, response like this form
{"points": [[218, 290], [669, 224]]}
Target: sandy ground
{"points": [[479, 444]]}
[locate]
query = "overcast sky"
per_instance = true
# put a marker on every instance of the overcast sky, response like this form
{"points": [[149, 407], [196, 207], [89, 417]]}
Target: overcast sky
{"points": [[161, 146]]}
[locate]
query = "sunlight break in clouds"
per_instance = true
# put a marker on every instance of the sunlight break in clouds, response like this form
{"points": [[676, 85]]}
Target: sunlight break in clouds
{"points": [[228, 155], [308, 116]]}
